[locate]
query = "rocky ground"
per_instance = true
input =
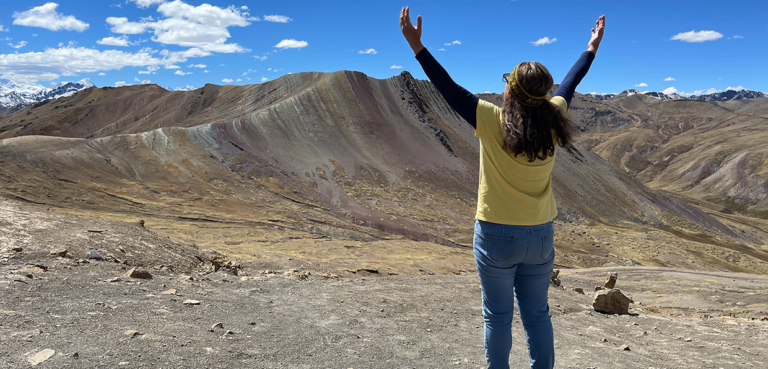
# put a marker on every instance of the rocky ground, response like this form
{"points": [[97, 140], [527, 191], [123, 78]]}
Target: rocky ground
{"points": [[69, 311]]}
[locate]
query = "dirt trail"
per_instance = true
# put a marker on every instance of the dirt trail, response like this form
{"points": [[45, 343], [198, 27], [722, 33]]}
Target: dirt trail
{"points": [[83, 311]]}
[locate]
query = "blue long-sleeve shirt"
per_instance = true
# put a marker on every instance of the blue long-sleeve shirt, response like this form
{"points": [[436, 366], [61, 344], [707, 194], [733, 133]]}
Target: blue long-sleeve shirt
{"points": [[465, 103]]}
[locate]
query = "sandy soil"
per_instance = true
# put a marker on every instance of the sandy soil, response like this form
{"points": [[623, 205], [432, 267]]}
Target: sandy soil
{"points": [[83, 311]]}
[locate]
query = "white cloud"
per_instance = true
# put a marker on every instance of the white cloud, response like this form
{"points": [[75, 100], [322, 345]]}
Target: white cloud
{"points": [[641, 84], [18, 45], [262, 58], [455, 42], [670, 90], [701, 36], [181, 73], [264, 79], [227, 80], [668, 79], [396, 67], [150, 70], [136, 79], [146, 82], [196, 66], [543, 41], [185, 88], [122, 25], [739, 88], [114, 41], [45, 16], [702, 92], [1, 28], [441, 49], [102, 74], [737, 36], [69, 60], [146, 3], [250, 71], [291, 44], [277, 18], [203, 27], [120, 84], [367, 51], [238, 80], [206, 71]]}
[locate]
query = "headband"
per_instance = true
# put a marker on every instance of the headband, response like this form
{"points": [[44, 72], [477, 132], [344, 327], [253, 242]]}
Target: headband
{"points": [[520, 94]]}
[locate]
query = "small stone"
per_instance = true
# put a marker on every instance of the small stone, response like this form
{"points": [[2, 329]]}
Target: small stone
{"points": [[172, 291], [40, 357], [191, 302], [579, 290], [610, 281], [688, 340], [217, 325], [131, 333], [624, 348], [94, 255], [58, 252], [76, 355], [17, 249], [598, 288], [553, 278], [139, 273], [123, 363], [116, 279], [611, 302], [604, 340]]}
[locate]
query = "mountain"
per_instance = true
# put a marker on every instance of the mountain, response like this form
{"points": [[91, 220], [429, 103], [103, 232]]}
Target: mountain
{"points": [[14, 96], [329, 167], [730, 95], [630, 92]]}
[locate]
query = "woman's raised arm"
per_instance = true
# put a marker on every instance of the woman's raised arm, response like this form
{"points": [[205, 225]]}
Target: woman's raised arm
{"points": [[461, 100], [581, 67]]}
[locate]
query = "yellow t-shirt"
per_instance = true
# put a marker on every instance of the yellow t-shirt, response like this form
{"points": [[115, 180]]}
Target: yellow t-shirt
{"points": [[512, 190]]}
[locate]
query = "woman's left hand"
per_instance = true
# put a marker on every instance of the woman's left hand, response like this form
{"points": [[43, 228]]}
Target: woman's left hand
{"points": [[412, 34]]}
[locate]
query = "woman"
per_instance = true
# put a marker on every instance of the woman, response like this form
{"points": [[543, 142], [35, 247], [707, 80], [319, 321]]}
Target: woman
{"points": [[513, 240]]}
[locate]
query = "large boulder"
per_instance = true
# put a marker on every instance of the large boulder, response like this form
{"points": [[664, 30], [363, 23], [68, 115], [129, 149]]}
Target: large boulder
{"points": [[611, 302]]}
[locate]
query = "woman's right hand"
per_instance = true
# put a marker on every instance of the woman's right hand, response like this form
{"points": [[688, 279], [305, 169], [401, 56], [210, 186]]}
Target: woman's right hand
{"points": [[597, 35], [412, 34]]}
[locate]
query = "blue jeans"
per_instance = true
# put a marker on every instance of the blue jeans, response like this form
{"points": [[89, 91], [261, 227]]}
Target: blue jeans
{"points": [[515, 263]]}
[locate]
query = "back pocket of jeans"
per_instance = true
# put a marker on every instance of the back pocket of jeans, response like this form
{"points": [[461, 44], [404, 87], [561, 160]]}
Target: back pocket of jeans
{"points": [[500, 248], [547, 247]]}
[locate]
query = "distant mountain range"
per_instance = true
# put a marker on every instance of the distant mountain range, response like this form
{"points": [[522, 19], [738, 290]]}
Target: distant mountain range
{"points": [[718, 96], [14, 96]]}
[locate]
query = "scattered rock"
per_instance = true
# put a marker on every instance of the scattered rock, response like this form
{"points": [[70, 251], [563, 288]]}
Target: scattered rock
{"points": [[553, 278], [191, 302], [132, 333], [624, 348], [687, 340], [17, 249], [116, 279], [329, 276], [300, 275], [40, 357], [598, 288], [611, 302], [764, 318], [172, 291], [610, 281], [579, 290], [139, 273], [220, 262], [217, 325], [123, 363], [95, 255], [59, 253]]}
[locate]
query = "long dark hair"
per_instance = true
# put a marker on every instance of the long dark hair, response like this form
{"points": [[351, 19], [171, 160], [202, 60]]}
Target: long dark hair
{"points": [[529, 130]]}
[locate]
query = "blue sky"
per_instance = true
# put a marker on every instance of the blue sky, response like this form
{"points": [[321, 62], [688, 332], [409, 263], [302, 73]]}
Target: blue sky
{"points": [[189, 43]]}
